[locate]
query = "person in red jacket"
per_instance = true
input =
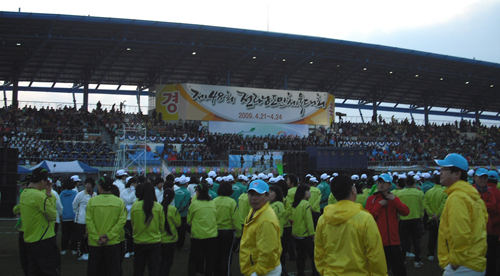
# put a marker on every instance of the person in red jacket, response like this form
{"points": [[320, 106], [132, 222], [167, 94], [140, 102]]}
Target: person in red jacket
{"points": [[385, 207], [493, 227]]}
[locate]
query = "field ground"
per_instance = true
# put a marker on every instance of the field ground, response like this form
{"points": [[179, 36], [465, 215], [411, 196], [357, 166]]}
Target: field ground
{"points": [[9, 259]]}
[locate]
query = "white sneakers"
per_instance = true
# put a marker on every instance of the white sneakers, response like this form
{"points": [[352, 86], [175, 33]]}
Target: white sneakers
{"points": [[127, 255], [410, 255], [63, 252], [419, 264], [84, 257], [430, 258], [74, 252]]}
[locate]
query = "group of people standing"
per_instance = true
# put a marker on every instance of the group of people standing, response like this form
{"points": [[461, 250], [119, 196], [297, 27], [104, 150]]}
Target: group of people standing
{"points": [[265, 218]]}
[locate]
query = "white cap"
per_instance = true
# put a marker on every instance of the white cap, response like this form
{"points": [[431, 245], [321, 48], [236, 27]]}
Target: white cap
{"points": [[177, 180], [128, 178], [313, 179], [402, 176], [364, 176], [212, 174], [280, 177], [395, 174], [273, 180], [242, 177], [335, 174], [218, 179], [436, 172], [309, 175], [427, 175], [229, 178], [210, 181], [269, 175], [470, 172], [324, 176], [183, 180], [254, 177], [121, 173], [375, 177], [411, 173], [75, 178], [416, 177], [355, 177], [262, 176]]}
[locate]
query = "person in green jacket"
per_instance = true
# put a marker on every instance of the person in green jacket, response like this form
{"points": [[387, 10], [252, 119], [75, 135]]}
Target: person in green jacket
{"points": [[202, 218], [105, 218], [228, 225], [23, 251], [315, 199], [324, 187], [303, 229], [216, 179], [38, 216], [182, 199], [276, 203], [213, 194], [148, 220], [289, 245], [434, 201], [169, 237], [411, 225]]}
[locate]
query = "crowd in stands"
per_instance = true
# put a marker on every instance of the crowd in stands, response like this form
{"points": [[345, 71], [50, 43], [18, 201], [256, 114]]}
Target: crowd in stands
{"points": [[35, 132]]}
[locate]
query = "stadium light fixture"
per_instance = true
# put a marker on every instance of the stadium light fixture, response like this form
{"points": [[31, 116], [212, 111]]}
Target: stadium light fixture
{"points": [[441, 79], [491, 86], [416, 76], [194, 53], [284, 59], [310, 62], [390, 72], [18, 44], [466, 82], [254, 57], [364, 69], [128, 49]]}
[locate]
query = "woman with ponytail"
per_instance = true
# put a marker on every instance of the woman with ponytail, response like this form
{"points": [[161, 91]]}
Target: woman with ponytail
{"points": [[202, 218], [169, 237], [148, 220]]}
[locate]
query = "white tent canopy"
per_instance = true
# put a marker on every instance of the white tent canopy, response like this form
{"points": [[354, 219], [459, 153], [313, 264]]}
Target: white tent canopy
{"points": [[66, 167]]}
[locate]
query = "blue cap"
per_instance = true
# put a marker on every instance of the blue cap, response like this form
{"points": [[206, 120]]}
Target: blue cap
{"points": [[260, 186], [454, 160], [493, 175], [481, 172], [386, 177]]}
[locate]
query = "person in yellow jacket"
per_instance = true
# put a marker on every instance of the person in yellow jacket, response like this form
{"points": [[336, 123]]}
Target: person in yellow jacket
{"points": [[38, 216], [23, 251], [462, 232], [228, 225], [202, 218], [434, 201], [169, 237], [347, 238], [260, 247], [303, 229], [148, 220], [411, 226], [315, 199], [105, 218], [288, 243]]}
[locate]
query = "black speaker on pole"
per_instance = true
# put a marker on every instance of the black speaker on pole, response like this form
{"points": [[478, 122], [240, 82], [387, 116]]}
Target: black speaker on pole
{"points": [[8, 180], [296, 163]]}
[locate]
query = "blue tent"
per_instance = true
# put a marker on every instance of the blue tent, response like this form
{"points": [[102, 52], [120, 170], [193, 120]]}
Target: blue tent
{"points": [[66, 167], [22, 170]]}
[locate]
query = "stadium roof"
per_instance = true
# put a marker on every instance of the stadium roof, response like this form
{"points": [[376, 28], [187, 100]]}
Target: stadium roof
{"points": [[56, 49]]}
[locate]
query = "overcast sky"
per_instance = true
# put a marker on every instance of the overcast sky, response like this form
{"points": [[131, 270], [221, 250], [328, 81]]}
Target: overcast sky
{"points": [[461, 28]]}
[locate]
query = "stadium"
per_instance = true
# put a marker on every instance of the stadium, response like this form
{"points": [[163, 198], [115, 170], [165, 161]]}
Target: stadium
{"points": [[232, 101]]}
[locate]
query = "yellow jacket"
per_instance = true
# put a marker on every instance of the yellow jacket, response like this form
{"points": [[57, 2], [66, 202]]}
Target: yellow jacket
{"points": [[462, 232], [147, 234], [348, 242], [302, 221], [331, 199], [260, 247]]}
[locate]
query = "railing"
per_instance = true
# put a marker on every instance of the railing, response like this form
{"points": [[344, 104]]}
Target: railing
{"points": [[195, 163]]}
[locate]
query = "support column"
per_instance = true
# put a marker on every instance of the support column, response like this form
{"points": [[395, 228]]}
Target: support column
{"points": [[85, 106], [426, 115], [139, 98], [478, 122], [15, 92], [228, 77], [374, 116]]}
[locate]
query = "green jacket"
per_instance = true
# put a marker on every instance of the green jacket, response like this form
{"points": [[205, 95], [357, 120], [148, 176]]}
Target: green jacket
{"points": [[243, 208], [227, 214], [202, 218], [147, 234], [182, 197], [331, 199], [174, 221], [302, 221], [414, 199], [315, 199], [434, 201], [279, 210], [325, 193], [238, 189], [215, 187], [106, 214], [38, 214], [426, 186]]}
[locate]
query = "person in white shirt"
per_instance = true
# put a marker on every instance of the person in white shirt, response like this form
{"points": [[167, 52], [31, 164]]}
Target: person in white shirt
{"points": [[158, 183], [76, 179], [59, 209], [79, 208], [128, 196], [121, 176]]}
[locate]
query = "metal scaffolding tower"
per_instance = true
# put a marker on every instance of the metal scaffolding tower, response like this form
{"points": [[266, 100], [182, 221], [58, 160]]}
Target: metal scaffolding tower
{"points": [[132, 153]]}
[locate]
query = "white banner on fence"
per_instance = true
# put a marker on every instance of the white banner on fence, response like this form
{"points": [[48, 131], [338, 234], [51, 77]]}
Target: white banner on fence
{"points": [[249, 129]]}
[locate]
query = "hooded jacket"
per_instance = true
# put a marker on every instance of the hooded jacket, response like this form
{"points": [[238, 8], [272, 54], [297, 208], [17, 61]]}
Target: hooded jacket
{"points": [[462, 232], [387, 217], [260, 247], [80, 205], [67, 197], [347, 242]]}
